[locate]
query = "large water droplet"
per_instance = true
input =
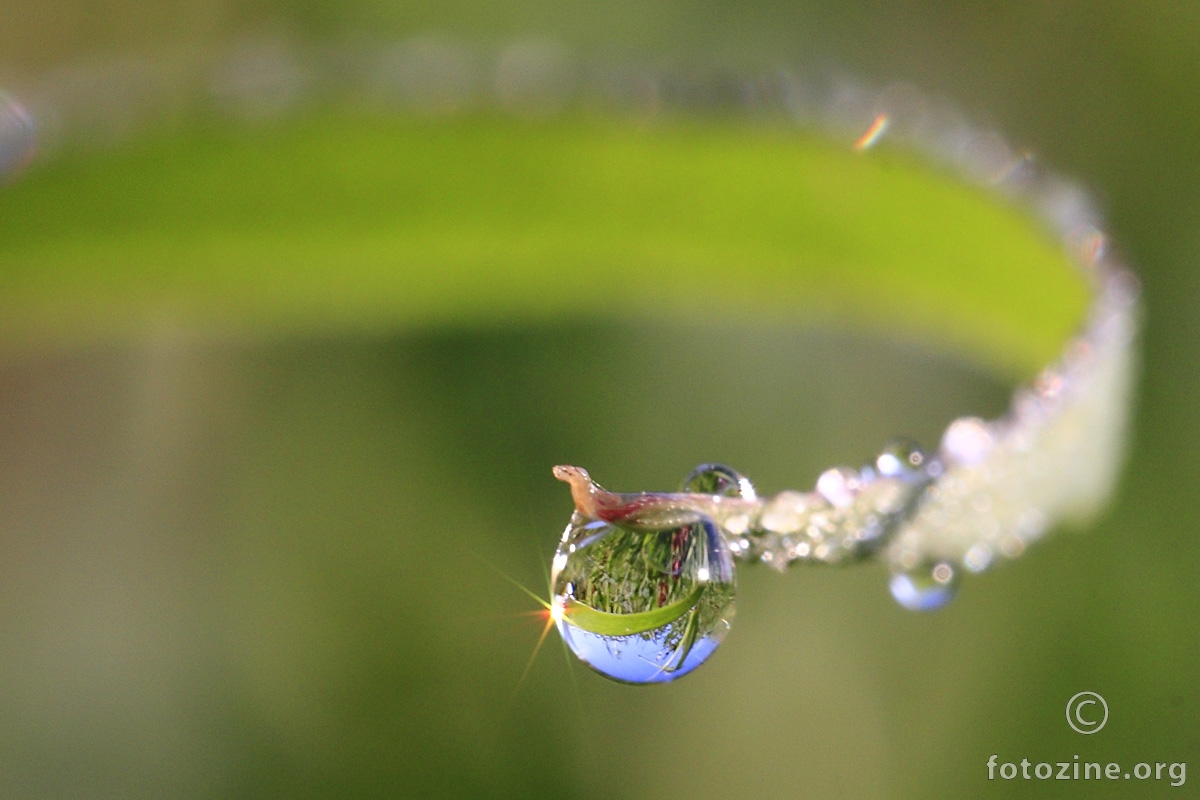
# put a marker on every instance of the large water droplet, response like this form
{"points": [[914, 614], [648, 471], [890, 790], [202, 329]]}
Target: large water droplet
{"points": [[926, 588], [642, 607]]}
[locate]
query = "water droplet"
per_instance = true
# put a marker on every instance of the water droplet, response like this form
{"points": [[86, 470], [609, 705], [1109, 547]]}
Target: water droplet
{"points": [[978, 558], [839, 486], [720, 480], [967, 441], [901, 458], [925, 588], [643, 606]]}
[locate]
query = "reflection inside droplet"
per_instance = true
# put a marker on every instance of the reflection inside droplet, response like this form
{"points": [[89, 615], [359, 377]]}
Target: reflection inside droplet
{"points": [[643, 607], [718, 479], [926, 588]]}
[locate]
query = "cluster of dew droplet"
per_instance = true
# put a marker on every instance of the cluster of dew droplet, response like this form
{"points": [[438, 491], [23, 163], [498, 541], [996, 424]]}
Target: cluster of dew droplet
{"points": [[992, 487], [1052, 459], [435, 74], [849, 514]]}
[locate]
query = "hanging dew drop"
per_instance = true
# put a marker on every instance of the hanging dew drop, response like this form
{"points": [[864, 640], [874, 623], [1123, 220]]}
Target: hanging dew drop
{"points": [[647, 599], [644, 607], [926, 588]]}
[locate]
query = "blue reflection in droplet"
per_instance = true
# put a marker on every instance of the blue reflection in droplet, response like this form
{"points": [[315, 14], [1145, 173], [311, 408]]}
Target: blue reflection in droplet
{"points": [[925, 589], [654, 657]]}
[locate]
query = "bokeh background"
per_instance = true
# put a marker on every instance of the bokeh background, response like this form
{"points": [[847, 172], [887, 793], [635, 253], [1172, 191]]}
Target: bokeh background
{"points": [[259, 568]]}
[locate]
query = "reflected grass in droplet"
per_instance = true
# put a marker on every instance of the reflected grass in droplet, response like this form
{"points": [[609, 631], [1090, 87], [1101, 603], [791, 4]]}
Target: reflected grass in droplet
{"points": [[642, 606]]}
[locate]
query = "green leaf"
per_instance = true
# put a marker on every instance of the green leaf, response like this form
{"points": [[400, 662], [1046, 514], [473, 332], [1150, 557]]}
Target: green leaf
{"points": [[357, 222], [603, 623]]}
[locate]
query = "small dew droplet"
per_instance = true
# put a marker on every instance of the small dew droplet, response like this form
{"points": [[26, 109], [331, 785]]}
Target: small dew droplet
{"points": [[925, 588], [967, 441], [978, 558], [839, 486], [720, 480], [901, 458]]}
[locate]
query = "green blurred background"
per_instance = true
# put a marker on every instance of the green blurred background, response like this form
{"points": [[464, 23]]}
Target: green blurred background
{"points": [[266, 565]]}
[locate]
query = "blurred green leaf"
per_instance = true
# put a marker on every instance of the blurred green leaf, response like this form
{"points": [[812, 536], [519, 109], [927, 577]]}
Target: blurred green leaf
{"points": [[349, 221]]}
